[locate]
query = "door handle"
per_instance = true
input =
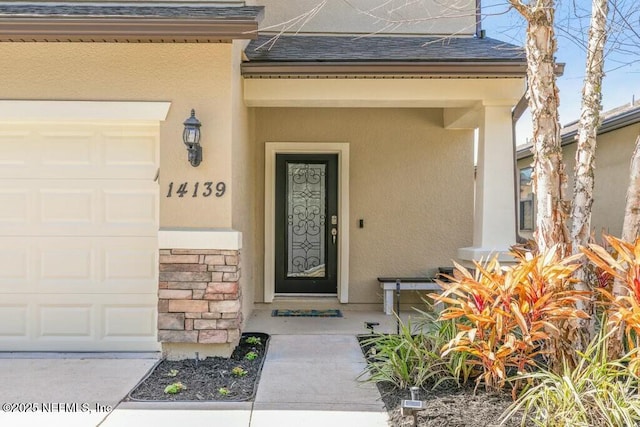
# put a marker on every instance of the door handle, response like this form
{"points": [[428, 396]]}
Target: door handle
{"points": [[334, 234]]}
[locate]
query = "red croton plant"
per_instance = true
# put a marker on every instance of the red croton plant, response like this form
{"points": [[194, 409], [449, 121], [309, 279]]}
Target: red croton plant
{"points": [[506, 315], [622, 304]]}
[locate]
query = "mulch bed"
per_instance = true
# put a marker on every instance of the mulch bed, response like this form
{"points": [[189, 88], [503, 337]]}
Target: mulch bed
{"points": [[206, 380], [448, 406]]}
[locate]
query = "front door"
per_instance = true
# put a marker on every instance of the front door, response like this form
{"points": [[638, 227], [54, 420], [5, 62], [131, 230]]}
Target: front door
{"points": [[306, 224]]}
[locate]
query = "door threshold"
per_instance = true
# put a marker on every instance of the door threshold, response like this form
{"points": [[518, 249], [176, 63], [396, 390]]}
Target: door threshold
{"points": [[302, 302], [305, 296]]}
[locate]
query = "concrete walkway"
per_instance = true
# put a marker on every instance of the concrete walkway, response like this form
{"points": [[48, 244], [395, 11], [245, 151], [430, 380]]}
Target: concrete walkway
{"points": [[309, 379]]}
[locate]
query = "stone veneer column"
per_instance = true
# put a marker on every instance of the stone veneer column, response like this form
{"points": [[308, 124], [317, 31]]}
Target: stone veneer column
{"points": [[199, 296]]}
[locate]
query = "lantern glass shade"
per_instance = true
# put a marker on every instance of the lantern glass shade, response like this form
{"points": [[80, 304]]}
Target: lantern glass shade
{"points": [[191, 133], [191, 136]]}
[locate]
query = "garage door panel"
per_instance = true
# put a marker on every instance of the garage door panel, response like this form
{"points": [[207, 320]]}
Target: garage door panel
{"points": [[55, 268], [65, 321], [14, 321], [79, 150], [74, 206], [129, 208], [53, 322], [56, 264], [14, 149], [79, 214], [129, 321], [14, 207], [87, 207], [67, 149], [129, 264], [130, 149], [15, 266]]}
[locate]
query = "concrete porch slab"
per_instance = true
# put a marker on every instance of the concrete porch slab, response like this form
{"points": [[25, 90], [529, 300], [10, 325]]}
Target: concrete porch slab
{"points": [[352, 323]]}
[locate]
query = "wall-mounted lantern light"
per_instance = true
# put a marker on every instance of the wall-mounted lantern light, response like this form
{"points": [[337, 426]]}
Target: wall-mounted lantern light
{"points": [[191, 138]]}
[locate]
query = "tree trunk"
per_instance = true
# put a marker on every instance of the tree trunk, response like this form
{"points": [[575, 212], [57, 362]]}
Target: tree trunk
{"points": [[585, 157], [549, 177], [588, 127]]}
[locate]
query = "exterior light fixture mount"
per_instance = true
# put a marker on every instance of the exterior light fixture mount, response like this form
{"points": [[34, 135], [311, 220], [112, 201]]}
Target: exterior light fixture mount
{"points": [[191, 138]]}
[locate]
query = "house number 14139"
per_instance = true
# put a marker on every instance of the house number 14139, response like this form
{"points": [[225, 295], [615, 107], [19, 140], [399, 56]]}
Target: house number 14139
{"points": [[195, 190]]}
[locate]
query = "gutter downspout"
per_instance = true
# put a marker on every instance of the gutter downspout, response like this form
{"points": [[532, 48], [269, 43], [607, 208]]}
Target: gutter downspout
{"points": [[478, 18]]}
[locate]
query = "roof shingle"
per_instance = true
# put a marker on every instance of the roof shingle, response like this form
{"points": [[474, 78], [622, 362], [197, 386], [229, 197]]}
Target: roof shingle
{"points": [[383, 49], [94, 10]]}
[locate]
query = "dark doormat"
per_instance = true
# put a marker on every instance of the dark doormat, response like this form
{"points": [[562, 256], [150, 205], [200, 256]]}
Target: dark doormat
{"points": [[306, 313]]}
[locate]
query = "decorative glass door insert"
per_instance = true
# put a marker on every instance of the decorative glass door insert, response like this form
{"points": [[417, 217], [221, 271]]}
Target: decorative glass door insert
{"points": [[306, 219], [306, 223]]}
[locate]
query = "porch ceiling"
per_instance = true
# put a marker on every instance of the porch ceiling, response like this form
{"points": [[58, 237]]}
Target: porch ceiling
{"points": [[464, 93]]}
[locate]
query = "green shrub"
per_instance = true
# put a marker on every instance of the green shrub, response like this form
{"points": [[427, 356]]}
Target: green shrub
{"points": [[407, 359], [239, 371], [454, 366], [597, 393], [174, 388], [253, 340]]}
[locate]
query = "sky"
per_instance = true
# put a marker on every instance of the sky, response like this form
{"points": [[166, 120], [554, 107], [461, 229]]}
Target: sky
{"points": [[622, 64]]}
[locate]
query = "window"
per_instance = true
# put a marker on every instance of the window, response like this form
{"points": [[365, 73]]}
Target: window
{"points": [[527, 220]]}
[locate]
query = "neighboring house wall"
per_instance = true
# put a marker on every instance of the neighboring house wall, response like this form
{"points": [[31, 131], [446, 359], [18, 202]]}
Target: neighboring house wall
{"points": [[425, 17], [613, 157], [411, 181]]}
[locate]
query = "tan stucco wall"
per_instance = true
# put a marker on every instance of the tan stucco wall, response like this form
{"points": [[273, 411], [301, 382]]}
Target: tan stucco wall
{"points": [[373, 16], [243, 174], [187, 75], [411, 181], [613, 157]]}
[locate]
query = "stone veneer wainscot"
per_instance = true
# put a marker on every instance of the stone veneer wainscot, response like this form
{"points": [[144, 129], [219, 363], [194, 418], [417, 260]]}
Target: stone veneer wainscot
{"points": [[199, 299]]}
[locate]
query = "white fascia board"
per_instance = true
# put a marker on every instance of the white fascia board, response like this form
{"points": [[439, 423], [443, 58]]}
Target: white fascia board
{"points": [[22, 110]]}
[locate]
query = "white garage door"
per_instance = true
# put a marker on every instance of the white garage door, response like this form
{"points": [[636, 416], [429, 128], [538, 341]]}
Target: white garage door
{"points": [[78, 236]]}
